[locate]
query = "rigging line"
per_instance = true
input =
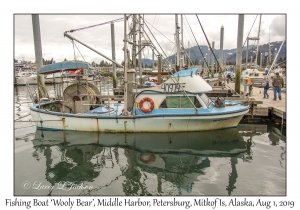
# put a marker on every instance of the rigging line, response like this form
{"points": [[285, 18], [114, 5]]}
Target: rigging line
{"points": [[172, 78], [153, 22], [164, 59], [159, 32], [190, 47], [188, 32], [24, 127], [72, 41], [250, 32], [108, 22], [185, 51], [79, 52], [192, 40], [154, 39], [209, 44], [147, 36], [198, 46]]}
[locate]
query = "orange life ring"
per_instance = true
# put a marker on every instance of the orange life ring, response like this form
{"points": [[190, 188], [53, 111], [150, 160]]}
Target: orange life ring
{"points": [[142, 104]]}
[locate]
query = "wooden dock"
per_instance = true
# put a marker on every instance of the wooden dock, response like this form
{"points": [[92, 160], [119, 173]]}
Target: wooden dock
{"points": [[265, 107]]}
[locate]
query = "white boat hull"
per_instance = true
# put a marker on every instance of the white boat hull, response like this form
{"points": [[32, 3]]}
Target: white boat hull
{"points": [[54, 121]]}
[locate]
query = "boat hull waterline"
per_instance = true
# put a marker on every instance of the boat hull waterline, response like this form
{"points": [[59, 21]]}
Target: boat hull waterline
{"points": [[197, 122]]}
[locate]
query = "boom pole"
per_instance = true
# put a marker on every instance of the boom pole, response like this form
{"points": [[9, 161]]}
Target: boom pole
{"points": [[72, 38]]}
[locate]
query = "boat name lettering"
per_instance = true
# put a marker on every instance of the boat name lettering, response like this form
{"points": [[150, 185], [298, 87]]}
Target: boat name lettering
{"points": [[220, 119], [171, 88]]}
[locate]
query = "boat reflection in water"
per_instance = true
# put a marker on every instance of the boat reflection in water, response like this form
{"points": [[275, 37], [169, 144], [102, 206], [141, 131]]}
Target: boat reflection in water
{"points": [[135, 163]]}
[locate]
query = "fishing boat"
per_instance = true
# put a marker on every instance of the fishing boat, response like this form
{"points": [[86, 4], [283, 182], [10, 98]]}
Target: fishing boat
{"points": [[257, 76], [179, 104]]}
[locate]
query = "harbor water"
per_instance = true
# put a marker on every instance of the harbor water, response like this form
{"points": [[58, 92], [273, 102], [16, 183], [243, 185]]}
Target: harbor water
{"points": [[249, 160]]}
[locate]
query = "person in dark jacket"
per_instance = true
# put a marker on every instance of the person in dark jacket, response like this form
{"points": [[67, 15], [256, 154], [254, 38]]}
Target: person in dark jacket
{"points": [[266, 88], [277, 84], [228, 78]]}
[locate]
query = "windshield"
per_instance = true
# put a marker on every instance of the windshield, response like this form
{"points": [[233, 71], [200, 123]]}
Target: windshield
{"points": [[205, 99]]}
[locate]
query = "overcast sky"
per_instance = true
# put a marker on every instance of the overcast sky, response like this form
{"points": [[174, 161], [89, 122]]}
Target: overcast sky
{"points": [[56, 46]]}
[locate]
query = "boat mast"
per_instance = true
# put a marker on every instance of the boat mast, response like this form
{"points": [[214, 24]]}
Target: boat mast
{"points": [[275, 58], [125, 67], [139, 49], [258, 40], [177, 43], [269, 56], [134, 42], [182, 48]]}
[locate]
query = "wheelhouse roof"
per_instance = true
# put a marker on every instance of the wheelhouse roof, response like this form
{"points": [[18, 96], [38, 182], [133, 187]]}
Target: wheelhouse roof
{"points": [[65, 66]]}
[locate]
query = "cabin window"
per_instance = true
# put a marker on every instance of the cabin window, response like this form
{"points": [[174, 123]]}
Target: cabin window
{"points": [[180, 102], [256, 75], [205, 99]]}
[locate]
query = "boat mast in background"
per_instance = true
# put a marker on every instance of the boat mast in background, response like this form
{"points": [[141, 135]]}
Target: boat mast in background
{"points": [[274, 61], [177, 43], [258, 40]]}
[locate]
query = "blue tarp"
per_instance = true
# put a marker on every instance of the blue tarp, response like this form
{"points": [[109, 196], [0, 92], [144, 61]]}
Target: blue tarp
{"points": [[230, 69], [66, 65]]}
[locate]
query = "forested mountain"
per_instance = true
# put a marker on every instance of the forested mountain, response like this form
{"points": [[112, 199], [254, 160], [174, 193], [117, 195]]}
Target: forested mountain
{"points": [[230, 55]]}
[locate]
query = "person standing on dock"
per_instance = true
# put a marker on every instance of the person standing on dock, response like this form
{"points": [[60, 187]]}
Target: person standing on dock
{"points": [[266, 88], [277, 84], [228, 78]]}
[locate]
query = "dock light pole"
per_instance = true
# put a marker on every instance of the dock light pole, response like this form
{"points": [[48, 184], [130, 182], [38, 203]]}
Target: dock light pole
{"points": [[221, 47], [239, 53], [260, 63], [37, 47], [113, 54], [208, 61], [213, 58]]}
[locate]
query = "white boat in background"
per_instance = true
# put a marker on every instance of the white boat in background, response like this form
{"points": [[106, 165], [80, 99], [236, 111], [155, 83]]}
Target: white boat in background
{"points": [[24, 77], [257, 76], [53, 78]]}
